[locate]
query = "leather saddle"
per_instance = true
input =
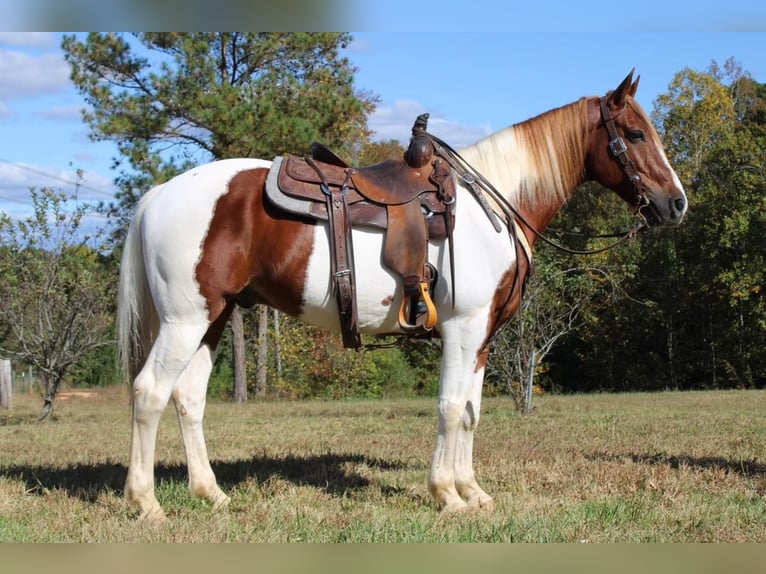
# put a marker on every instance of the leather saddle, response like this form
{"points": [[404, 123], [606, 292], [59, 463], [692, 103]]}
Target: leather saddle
{"points": [[412, 198]]}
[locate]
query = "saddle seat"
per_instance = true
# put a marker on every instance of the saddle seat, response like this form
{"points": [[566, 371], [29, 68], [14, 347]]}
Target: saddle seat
{"points": [[412, 205]]}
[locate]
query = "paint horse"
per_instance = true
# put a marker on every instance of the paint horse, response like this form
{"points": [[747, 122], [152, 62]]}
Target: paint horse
{"points": [[208, 240]]}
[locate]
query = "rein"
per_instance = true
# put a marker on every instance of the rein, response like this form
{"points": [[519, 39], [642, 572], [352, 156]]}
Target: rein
{"points": [[618, 150], [475, 180], [477, 184]]}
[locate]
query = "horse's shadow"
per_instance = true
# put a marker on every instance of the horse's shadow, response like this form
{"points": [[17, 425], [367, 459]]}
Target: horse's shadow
{"points": [[332, 473], [747, 468]]}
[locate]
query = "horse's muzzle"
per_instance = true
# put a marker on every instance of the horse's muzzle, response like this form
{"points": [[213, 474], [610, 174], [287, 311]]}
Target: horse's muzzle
{"points": [[664, 210]]}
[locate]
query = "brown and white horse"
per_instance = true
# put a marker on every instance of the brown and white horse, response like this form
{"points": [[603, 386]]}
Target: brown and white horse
{"points": [[208, 240]]}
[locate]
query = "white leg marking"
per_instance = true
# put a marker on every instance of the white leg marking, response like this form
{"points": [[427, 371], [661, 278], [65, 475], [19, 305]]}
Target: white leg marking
{"points": [[174, 348], [465, 478], [461, 342], [189, 399]]}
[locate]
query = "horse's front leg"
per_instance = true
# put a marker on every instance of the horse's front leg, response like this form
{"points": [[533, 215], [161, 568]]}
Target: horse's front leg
{"points": [[461, 343], [441, 481], [465, 479]]}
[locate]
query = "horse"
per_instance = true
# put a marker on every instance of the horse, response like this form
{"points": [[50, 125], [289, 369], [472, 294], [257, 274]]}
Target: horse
{"points": [[207, 240]]}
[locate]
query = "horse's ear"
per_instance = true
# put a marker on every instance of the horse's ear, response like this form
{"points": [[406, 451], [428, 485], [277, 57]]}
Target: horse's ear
{"points": [[625, 89]]}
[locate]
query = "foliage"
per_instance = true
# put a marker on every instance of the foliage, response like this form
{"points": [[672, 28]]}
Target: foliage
{"points": [[57, 287], [171, 100], [374, 152], [557, 297], [696, 316], [317, 365]]}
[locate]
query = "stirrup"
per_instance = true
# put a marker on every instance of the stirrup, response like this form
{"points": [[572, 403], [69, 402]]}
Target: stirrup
{"points": [[430, 310]]}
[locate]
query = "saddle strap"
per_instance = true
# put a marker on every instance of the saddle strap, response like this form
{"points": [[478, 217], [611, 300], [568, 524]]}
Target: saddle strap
{"points": [[342, 262]]}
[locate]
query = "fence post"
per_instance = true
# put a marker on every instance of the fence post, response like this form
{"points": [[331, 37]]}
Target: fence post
{"points": [[6, 391]]}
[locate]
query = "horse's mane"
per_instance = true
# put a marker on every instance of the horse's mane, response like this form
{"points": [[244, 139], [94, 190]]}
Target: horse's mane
{"points": [[536, 161]]}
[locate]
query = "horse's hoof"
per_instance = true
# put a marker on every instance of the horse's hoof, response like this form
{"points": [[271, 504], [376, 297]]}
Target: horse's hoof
{"points": [[153, 516], [482, 502], [221, 501], [454, 507]]}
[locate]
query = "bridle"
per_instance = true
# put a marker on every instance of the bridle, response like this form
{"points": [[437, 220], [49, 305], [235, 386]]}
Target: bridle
{"points": [[619, 152], [477, 184]]}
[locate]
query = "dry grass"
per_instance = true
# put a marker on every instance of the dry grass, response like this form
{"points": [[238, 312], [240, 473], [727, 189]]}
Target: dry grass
{"points": [[681, 467]]}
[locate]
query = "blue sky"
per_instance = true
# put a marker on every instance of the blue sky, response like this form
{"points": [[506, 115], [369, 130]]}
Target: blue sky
{"points": [[472, 83]]}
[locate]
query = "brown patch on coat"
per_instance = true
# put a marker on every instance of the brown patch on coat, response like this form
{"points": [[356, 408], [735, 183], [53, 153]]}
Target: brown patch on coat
{"points": [[252, 253], [505, 304]]}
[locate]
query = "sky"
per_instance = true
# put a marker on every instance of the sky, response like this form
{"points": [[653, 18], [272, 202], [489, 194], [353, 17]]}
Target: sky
{"points": [[471, 83]]}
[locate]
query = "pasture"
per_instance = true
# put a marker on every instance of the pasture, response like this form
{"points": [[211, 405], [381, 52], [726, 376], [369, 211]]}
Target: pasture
{"points": [[666, 467]]}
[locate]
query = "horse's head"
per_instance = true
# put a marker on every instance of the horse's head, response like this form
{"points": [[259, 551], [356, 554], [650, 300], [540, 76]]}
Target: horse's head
{"points": [[626, 155]]}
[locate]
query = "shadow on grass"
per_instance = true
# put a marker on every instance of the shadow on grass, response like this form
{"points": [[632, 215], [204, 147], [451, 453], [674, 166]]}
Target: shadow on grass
{"points": [[330, 472], [747, 468]]}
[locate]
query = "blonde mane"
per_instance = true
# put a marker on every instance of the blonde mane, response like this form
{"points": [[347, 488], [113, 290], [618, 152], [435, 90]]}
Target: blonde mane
{"points": [[538, 161]]}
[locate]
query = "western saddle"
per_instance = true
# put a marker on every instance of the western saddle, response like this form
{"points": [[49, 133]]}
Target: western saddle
{"points": [[412, 198]]}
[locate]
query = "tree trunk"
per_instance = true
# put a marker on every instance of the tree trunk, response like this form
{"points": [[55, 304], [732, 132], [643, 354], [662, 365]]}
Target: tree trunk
{"points": [[51, 390], [6, 392], [263, 351], [238, 358], [277, 345]]}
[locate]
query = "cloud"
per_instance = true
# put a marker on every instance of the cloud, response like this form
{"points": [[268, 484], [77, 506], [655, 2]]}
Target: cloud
{"points": [[395, 122], [359, 46], [17, 178], [28, 39], [27, 75], [62, 113]]}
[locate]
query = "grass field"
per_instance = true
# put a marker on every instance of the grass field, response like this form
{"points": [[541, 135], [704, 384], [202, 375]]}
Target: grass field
{"points": [[666, 467]]}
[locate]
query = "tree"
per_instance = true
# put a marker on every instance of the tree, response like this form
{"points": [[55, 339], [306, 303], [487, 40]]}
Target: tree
{"points": [[171, 100], [57, 288], [555, 299], [692, 117], [374, 152]]}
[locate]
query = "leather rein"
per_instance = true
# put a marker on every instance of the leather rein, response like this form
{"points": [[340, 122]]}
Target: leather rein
{"points": [[478, 183]]}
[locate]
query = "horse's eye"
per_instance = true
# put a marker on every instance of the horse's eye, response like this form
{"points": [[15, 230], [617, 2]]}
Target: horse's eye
{"points": [[636, 135]]}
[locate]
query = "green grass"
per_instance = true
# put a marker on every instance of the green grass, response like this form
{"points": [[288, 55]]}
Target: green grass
{"points": [[666, 467]]}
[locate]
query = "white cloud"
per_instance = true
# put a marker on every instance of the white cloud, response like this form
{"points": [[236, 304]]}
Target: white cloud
{"points": [[359, 46], [17, 178], [25, 75], [28, 39], [62, 113], [395, 122]]}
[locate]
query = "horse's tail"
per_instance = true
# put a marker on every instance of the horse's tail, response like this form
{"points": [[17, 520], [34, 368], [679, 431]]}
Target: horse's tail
{"points": [[137, 319]]}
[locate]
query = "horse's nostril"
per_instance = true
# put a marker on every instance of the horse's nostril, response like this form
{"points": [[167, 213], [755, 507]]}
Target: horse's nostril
{"points": [[680, 204]]}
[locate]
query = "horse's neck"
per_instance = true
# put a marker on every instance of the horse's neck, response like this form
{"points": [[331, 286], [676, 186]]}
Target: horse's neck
{"points": [[536, 164]]}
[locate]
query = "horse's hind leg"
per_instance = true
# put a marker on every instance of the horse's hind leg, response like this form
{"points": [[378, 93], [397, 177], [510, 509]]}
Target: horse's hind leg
{"points": [[173, 350], [189, 398]]}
